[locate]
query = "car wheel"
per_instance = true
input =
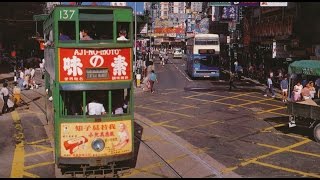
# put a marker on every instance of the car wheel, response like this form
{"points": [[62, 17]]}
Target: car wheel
{"points": [[316, 132]]}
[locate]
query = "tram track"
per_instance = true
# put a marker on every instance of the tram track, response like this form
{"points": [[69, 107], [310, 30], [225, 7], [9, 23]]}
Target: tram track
{"points": [[158, 155]]}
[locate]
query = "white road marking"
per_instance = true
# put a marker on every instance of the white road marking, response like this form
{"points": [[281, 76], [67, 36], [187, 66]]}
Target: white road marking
{"points": [[183, 73]]}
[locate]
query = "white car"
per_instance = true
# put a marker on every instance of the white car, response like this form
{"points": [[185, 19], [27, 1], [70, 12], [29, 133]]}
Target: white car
{"points": [[177, 53]]}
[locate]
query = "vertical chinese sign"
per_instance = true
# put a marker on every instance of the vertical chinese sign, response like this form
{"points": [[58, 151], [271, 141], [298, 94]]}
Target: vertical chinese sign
{"points": [[77, 138], [87, 65]]}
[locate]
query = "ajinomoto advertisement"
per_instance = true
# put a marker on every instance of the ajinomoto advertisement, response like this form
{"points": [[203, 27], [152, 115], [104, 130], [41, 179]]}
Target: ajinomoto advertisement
{"points": [[96, 139], [83, 65]]}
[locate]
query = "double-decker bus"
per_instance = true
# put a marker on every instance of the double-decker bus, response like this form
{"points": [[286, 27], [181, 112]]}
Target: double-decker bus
{"points": [[86, 61], [203, 56]]}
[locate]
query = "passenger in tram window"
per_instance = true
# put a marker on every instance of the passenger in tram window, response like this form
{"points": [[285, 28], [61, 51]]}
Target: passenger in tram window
{"points": [[63, 37], [118, 107], [122, 35], [95, 108], [84, 35]]}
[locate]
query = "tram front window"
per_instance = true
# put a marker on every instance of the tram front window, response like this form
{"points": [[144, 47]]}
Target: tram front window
{"points": [[96, 102], [120, 101], [71, 103]]}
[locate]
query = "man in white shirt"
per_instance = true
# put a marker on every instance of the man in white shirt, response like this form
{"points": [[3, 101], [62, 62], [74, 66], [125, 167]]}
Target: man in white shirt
{"points": [[5, 96], [269, 88], [122, 36], [95, 108]]}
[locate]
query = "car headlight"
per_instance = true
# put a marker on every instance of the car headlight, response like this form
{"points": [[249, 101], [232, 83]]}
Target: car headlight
{"points": [[98, 145]]}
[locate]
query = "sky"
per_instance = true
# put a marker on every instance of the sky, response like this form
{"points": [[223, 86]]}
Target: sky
{"points": [[139, 4]]}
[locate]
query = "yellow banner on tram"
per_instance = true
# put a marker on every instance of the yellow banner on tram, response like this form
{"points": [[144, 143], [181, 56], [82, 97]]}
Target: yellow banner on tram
{"points": [[96, 139]]}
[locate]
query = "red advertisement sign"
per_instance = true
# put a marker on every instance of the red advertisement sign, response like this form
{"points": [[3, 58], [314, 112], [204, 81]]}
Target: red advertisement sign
{"points": [[81, 65]]}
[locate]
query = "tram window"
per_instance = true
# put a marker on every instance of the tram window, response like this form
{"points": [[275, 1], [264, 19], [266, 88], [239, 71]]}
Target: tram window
{"points": [[123, 31], [96, 97], [120, 101], [98, 30], [67, 31], [72, 103]]}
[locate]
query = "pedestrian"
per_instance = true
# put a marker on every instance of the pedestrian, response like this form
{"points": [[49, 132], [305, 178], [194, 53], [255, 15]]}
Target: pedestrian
{"points": [[41, 65], [152, 80], [235, 66], [16, 94], [297, 91], [231, 79], [284, 89], [269, 88], [317, 83], [4, 92]]}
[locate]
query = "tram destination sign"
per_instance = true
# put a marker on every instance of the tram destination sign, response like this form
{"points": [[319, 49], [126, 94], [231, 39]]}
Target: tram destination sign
{"points": [[87, 65], [94, 73]]}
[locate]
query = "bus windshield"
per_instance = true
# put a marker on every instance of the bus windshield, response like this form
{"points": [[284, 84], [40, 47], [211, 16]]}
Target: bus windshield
{"points": [[207, 60]]}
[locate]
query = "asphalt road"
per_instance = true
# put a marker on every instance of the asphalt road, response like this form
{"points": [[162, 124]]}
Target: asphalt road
{"points": [[241, 129]]}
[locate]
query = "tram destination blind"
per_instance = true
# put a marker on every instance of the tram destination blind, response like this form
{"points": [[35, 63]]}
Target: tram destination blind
{"points": [[100, 73]]}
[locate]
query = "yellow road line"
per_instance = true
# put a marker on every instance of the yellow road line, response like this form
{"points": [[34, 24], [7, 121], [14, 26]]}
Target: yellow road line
{"points": [[18, 156], [154, 114], [168, 112], [272, 127], [291, 135], [231, 97], [30, 175], [214, 122], [159, 164], [172, 92], [43, 147], [251, 160], [38, 165], [287, 169], [259, 102], [38, 153], [281, 114], [170, 126], [290, 150], [36, 142], [163, 122], [270, 110]]}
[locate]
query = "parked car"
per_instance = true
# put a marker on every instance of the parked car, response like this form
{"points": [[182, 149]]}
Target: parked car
{"points": [[177, 53]]}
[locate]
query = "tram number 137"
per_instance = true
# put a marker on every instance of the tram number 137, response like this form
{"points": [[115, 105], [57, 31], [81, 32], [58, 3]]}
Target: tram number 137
{"points": [[67, 14]]}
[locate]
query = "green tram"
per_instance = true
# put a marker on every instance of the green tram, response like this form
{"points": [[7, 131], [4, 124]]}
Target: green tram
{"points": [[86, 61]]}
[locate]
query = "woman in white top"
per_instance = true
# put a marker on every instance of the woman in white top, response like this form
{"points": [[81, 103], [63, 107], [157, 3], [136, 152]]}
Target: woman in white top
{"points": [[297, 91]]}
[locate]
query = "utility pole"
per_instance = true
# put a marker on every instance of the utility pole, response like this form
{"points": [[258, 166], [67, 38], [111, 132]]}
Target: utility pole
{"points": [[138, 75]]}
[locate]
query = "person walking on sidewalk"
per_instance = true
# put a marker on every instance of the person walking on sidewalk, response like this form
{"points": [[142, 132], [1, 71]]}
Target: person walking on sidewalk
{"points": [[5, 96], [231, 79], [269, 88], [152, 80], [284, 88]]}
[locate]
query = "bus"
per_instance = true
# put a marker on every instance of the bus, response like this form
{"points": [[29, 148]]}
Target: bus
{"points": [[203, 56], [86, 61]]}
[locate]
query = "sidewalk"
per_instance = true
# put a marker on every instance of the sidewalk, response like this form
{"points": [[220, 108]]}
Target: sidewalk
{"points": [[262, 86]]}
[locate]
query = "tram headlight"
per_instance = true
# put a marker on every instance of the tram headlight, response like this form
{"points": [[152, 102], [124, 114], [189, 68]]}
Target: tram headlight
{"points": [[98, 145]]}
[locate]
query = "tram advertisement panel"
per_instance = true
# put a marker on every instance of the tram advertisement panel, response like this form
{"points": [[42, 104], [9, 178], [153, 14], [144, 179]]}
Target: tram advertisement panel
{"points": [[96, 139], [85, 65]]}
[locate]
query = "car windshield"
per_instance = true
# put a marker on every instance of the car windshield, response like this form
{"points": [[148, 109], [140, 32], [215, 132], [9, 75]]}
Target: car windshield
{"points": [[177, 50]]}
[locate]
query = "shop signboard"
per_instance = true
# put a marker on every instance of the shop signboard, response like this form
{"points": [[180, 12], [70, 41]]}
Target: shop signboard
{"points": [[219, 4]]}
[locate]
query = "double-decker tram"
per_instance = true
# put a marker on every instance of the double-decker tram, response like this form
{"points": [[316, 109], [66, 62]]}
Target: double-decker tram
{"points": [[89, 84]]}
